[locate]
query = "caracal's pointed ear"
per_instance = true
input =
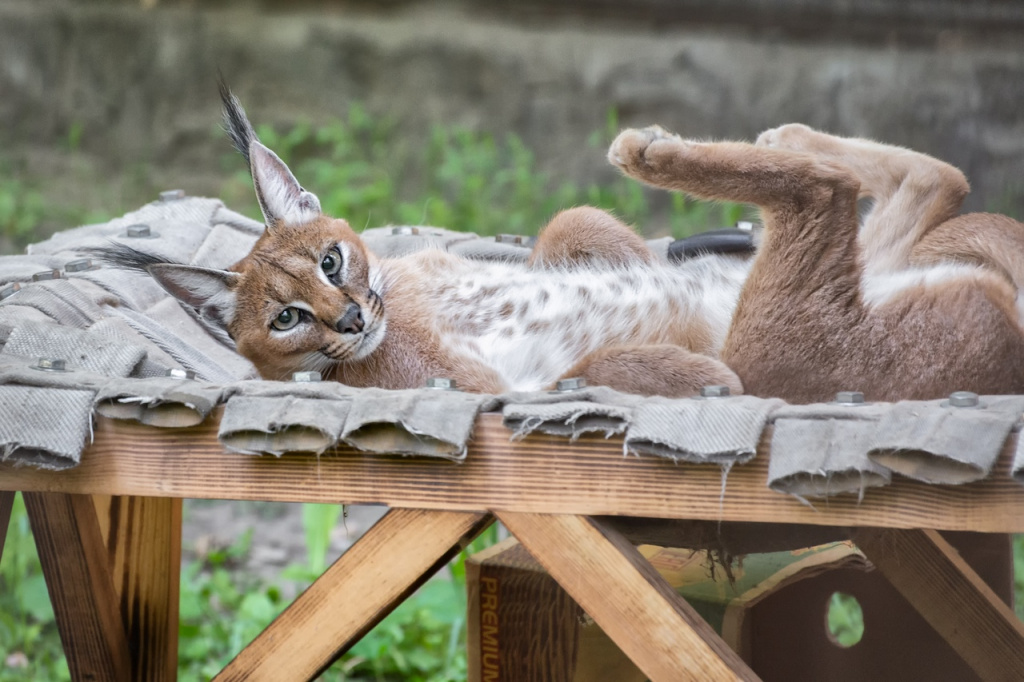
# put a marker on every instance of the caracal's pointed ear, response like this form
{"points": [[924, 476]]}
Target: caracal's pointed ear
{"points": [[210, 292], [282, 199]]}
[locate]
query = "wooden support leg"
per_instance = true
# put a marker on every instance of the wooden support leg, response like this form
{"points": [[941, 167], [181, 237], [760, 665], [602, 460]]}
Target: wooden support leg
{"points": [[6, 503], [623, 593], [387, 564], [77, 573], [143, 540], [951, 597]]}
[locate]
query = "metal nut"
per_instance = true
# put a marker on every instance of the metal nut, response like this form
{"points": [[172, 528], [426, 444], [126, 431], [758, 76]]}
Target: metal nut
{"points": [[48, 275], [570, 384], [405, 229], [850, 398], [172, 195], [306, 377], [79, 265], [963, 399], [50, 365], [9, 290], [138, 231], [441, 384], [716, 391], [176, 373]]}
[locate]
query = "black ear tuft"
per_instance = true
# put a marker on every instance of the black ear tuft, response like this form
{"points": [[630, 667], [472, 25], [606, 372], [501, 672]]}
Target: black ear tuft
{"points": [[235, 122]]}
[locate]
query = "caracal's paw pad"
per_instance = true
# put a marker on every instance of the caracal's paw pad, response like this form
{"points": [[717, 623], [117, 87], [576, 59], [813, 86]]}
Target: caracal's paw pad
{"points": [[792, 136], [635, 149]]}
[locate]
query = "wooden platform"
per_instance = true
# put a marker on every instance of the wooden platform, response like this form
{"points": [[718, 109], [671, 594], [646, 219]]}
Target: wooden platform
{"points": [[109, 534]]}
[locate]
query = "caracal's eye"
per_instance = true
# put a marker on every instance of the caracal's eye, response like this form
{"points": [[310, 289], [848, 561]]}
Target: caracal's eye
{"points": [[286, 319], [331, 264]]}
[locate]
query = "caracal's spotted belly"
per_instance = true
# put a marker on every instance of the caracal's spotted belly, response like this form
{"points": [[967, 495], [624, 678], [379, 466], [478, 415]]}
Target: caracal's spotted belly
{"points": [[533, 325]]}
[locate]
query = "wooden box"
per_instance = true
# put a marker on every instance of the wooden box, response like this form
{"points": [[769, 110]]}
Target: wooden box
{"points": [[522, 626]]}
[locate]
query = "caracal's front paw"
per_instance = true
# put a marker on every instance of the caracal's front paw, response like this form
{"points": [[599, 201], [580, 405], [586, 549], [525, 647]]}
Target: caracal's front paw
{"points": [[636, 150]]}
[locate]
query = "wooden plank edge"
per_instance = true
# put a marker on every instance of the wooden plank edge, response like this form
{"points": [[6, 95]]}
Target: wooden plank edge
{"points": [[538, 474], [6, 505]]}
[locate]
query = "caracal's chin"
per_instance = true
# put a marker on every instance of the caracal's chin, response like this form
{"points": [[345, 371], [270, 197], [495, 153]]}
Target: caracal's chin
{"points": [[370, 340]]}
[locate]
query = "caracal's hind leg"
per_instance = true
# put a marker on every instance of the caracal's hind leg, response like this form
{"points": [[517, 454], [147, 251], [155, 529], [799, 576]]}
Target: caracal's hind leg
{"points": [[664, 370], [801, 296], [913, 193], [588, 237]]}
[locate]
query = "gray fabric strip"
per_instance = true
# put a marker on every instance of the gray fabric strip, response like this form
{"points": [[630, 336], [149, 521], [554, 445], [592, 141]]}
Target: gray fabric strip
{"points": [[160, 401], [44, 427], [414, 422], [223, 247], [571, 419], [79, 349], [723, 431], [935, 443], [202, 354], [822, 449], [821, 457], [255, 425]]}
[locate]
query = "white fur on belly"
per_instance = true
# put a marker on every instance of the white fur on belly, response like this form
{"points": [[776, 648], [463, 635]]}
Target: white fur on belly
{"points": [[561, 315]]}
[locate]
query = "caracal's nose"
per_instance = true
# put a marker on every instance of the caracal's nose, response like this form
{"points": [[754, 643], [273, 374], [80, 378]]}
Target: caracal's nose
{"points": [[352, 321]]}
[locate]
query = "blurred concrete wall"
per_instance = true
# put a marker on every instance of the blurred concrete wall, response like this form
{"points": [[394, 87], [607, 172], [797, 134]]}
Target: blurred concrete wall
{"points": [[139, 78]]}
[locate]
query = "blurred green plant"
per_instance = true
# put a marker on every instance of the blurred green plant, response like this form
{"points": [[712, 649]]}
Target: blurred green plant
{"points": [[363, 171], [21, 210]]}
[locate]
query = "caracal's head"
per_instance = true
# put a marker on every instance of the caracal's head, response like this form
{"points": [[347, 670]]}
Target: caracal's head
{"points": [[303, 298]]}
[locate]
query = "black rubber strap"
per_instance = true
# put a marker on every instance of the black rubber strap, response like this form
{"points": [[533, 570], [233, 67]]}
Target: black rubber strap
{"points": [[724, 241]]}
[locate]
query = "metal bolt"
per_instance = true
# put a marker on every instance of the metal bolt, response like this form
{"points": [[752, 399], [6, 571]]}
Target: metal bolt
{"points": [[176, 373], [570, 384], [9, 290], [306, 377], [405, 229], [714, 391], [43, 276], [79, 265], [139, 231], [172, 195], [441, 384], [509, 239], [963, 399], [850, 398], [50, 365]]}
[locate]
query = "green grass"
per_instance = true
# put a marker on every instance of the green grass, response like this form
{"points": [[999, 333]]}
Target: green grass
{"points": [[222, 608]]}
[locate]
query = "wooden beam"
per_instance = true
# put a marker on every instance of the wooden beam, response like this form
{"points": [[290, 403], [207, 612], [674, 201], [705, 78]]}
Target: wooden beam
{"points": [[143, 540], [78, 578], [539, 474], [954, 600], [627, 597], [402, 550], [6, 504]]}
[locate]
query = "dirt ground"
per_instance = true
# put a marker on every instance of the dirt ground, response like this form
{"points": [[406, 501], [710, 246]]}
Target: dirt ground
{"points": [[278, 538]]}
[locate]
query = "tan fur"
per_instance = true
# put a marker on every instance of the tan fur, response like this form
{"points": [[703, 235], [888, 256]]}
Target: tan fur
{"points": [[587, 237], [802, 329], [987, 240], [665, 370]]}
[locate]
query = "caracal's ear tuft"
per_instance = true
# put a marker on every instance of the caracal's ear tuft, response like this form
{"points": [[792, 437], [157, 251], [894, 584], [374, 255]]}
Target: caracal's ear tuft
{"points": [[236, 124], [282, 199], [210, 292]]}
